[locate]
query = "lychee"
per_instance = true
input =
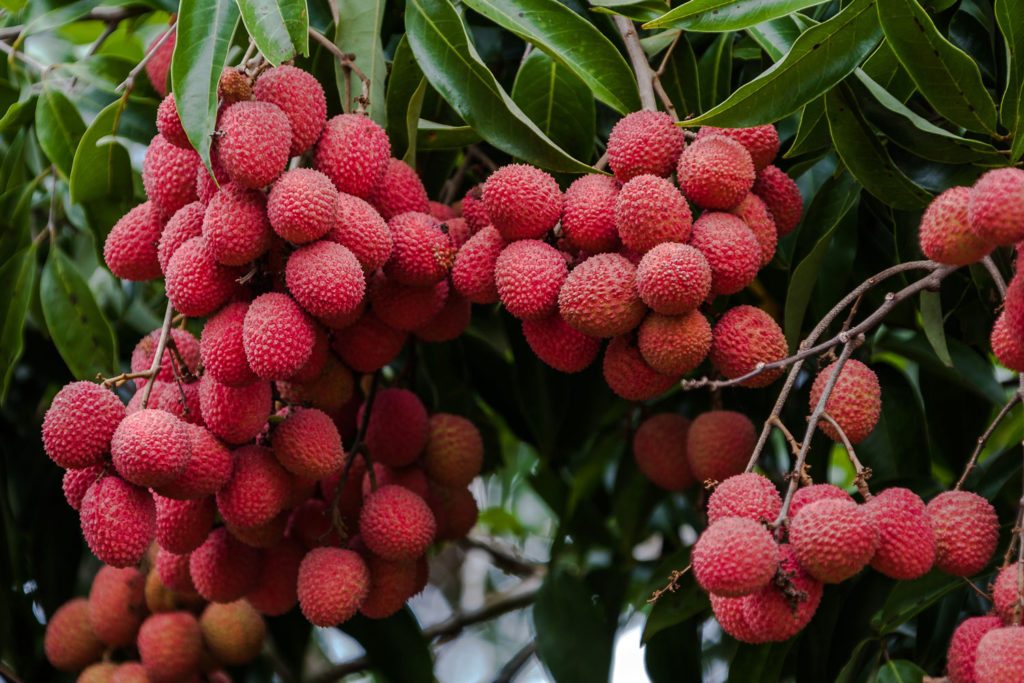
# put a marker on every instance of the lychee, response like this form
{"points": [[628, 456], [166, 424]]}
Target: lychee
{"points": [[588, 216], [301, 97], [1000, 657], [454, 452], [257, 490], [186, 223], [254, 142], [659, 446], [715, 172], [729, 613], [170, 646], [411, 477], [183, 525], [169, 175], [181, 356], [719, 444], [234, 87], [906, 541], [275, 593], [368, 344], [1005, 346], [529, 274], [118, 521], [332, 584], [398, 427], [353, 152], [945, 233], [173, 572], [208, 183], [168, 123], [158, 68], [963, 647], [234, 414], [562, 347], [223, 568], [649, 211], [442, 212], [599, 297], [833, 539], [117, 605], [326, 279], [196, 283], [755, 214], [76, 482], [473, 269], [70, 643], [221, 347], [805, 495], [855, 402], [391, 584], [79, 424], [399, 190], [405, 307], [396, 524], [762, 142], [770, 613], [277, 335], [421, 254], [208, 469], [629, 375], [673, 278], [744, 337], [307, 444], [233, 632], [150, 447], [235, 225], [782, 197], [966, 531], [644, 142], [363, 231], [457, 512], [522, 202], [995, 209], [734, 557], [1005, 593], [130, 250], [731, 250], [674, 344], [448, 323], [328, 392], [747, 495]]}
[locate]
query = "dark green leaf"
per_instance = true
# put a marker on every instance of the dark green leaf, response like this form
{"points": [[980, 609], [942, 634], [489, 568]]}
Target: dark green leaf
{"points": [[900, 671], [265, 23], [812, 133], [558, 102], [674, 654], [59, 127], [637, 10], [822, 56], [762, 663], [570, 40], [200, 53], [412, 119], [727, 15], [15, 205], [442, 48], [945, 75], [715, 68], [17, 277], [1008, 14], [681, 80], [573, 639], [81, 333], [777, 36], [909, 598], [932, 322], [358, 33], [434, 136], [296, 20], [382, 638], [674, 608], [19, 114], [102, 167], [403, 82]]}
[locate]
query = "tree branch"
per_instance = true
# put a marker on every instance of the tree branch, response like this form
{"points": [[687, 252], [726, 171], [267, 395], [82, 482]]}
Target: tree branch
{"points": [[165, 332], [984, 437], [518, 661], [503, 559], [347, 62], [128, 83], [863, 473], [644, 73]]}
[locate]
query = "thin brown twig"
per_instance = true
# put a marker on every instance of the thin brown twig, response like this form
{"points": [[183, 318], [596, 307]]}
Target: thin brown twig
{"points": [[451, 185], [672, 584], [644, 73], [666, 101], [129, 82], [997, 277], [863, 473], [347, 61], [107, 31], [503, 559], [985, 436], [24, 58], [601, 163], [165, 332], [518, 661], [794, 445], [668, 54], [359, 449], [478, 154]]}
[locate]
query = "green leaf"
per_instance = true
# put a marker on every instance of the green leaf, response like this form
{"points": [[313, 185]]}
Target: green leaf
{"points": [[864, 155], [412, 119], [358, 33], [812, 133], [822, 56], [449, 61], [432, 136], [762, 663], [909, 598], [674, 608], [1008, 14], [59, 127], [637, 10], [777, 36], [81, 333], [715, 68], [265, 23], [946, 76], [403, 83], [727, 15], [296, 20], [573, 639], [200, 54], [17, 277], [570, 40], [558, 102], [382, 638], [681, 80], [59, 17], [932, 322], [900, 671], [102, 167], [19, 114]]}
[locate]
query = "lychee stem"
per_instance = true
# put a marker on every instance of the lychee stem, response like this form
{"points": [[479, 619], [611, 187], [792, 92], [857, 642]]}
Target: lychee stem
{"points": [[165, 332], [644, 73], [863, 473], [129, 82], [1014, 398]]}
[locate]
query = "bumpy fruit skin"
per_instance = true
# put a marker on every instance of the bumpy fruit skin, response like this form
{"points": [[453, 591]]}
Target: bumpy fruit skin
{"points": [[307, 444], [1004, 592], [473, 270], [277, 335], [100, 672], [118, 521], [1005, 346], [70, 643], [673, 278], [806, 495], [326, 279], [353, 152], [833, 539], [906, 541], [747, 495], [150, 447], [995, 209], [130, 672], [650, 210], [234, 87], [529, 275], [729, 613], [411, 477], [674, 345], [458, 513], [221, 347], [715, 172], [391, 584], [782, 197], [422, 254], [79, 424], [659, 446], [734, 557], [302, 205], [522, 202], [963, 647], [254, 142], [599, 297], [130, 250], [301, 97], [770, 614], [76, 482], [197, 284], [966, 531], [184, 359], [168, 123], [644, 142], [363, 231], [730, 248], [235, 225], [223, 568], [398, 428], [183, 525], [233, 632], [368, 344], [473, 209], [755, 214], [169, 175], [562, 347], [275, 593], [454, 452], [588, 215], [170, 646], [186, 223], [448, 323], [173, 572], [762, 142], [743, 337], [207, 471], [116, 605], [855, 402], [234, 414], [457, 229], [159, 65], [399, 190], [396, 524], [719, 444], [329, 392], [405, 307], [182, 401], [332, 584], [945, 233], [205, 185], [629, 375], [1000, 657], [258, 489]]}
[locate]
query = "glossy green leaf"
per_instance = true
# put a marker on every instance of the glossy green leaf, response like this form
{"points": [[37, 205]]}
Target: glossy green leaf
{"points": [[200, 54], [403, 82], [17, 277], [909, 598], [715, 68], [60, 16], [822, 56], [674, 608], [15, 205], [946, 76], [382, 638], [727, 15], [81, 333], [1008, 15], [681, 79], [570, 40], [435, 136], [449, 61], [412, 118], [358, 33], [18, 114], [102, 167], [777, 36], [932, 322], [866, 157], [812, 132], [59, 128], [265, 23], [557, 101], [573, 640], [296, 20], [637, 10], [900, 671]]}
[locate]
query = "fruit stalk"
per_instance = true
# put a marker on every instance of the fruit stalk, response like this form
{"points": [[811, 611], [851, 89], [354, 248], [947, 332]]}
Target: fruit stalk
{"points": [[644, 74], [165, 332]]}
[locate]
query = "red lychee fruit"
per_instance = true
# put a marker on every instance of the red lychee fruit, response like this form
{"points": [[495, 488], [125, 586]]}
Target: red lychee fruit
{"points": [[354, 152], [966, 531], [181, 356], [731, 250], [457, 229], [855, 402], [782, 197], [173, 572], [170, 646], [805, 495], [659, 446], [422, 254], [277, 335], [522, 202], [197, 284], [169, 175], [398, 427], [473, 269], [326, 279], [447, 324], [1005, 346], [233, 632], [396, 524], [1000, 657], [158, 68], [529, 274], [833, 539], [221, 347], [906, 541], [234, 87], [168, 123], [178, 399], [150, 447], [588, 216], [399, 190], [207, 471], [442, 212], [301, 97], [328, 392], [673, 278], [734, 557], [391, 584], [100, 672], [257, 490], [186, 223], [332, 584], [183, 525], [649, 211], [1005, 596], [945, 233], [995, 209], [473, 210], [234, 414], [307, 444], [963, 647], [130, 672], [729, 613], [368, 344], [748, 495], [762, 142], [235, 225], [302, 205], [363, 231], [264, 535], [76, 482], [411, 477], [208, 183], [70, 643], [674, 344], [715, 172], [599, 297], [80, 423], [770, 613], [118, 521], [117, 605], [457, 513], [454, 452], [276, 593], [405, 307], [562, 347], [629, 375], [644, 142], [719, 444], [755, 214], [254, 142], [130, 250], [223, 568], [744, 337]]}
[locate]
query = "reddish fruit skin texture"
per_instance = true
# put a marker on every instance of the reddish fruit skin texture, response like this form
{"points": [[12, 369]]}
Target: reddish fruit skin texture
{"points": [[221, 347], [782, 197], [233, 632], [906, 541], [255, 141], [743, 337], [945, 233], [411, 477], [833, 539], [391, 584], [186, 351], [368, 344], [117, 605], [599, 297], [169, 175], [205, 185], [332, 584], [562, 347], [130, 250], [170, 646], [79, 424], [451, 321], [459, 513], [963, 647], [815, 492], [673, 278], [301, 97], [729, 613], [755, 214], [644, 142], [473, 209], [396, 524], [70, 643], [208, 469], [234, 414], [1000, 657], [183, 525], [762, 142], [768, 612], [76, 482], [173, 572], [522, 202], [100, 672], [307, 444], [398, 428], [302, 206], [457, 229], [118, 521], [659, 446], [473, 270], [363, 231], [629, 375], [966, 531], [747, 495], [730, 248], [421, 254], [734, 557], [855, 403], [529, 275], [715, 172], [353, 152], [130, 672], [197, 284], [235, 225], [168, 123], [277, 335], [159, 65], [1005, 346], [223, 568], [405, 307], [719, 444], [588, 216], [326, 279], [674, 345], [150, 447], [1004, 592], [186, 223], [234, 87], [455, 450], [649, 211], [257, 490], [275, 593], [995, 209], [399, 190], [181, 401]]}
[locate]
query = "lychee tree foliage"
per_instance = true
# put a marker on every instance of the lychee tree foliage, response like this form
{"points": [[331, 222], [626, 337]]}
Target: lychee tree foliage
{"points": [[886, 370]]}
